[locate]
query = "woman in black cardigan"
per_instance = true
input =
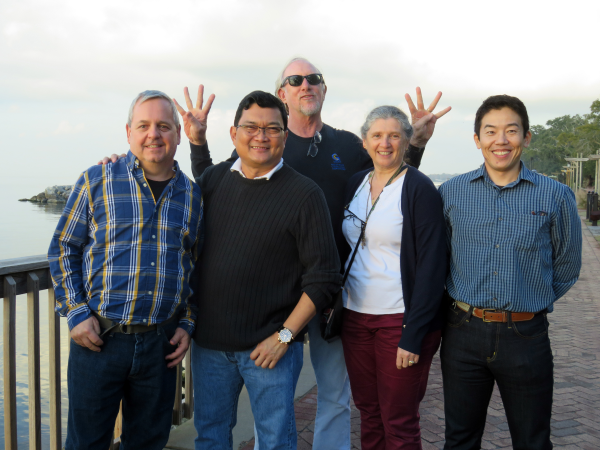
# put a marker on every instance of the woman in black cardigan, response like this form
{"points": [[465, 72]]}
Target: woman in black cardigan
{"points": [[393, 294]]}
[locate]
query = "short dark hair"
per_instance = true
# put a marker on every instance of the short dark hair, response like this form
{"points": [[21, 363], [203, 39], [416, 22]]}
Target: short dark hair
{"points": [[264, 100], [499, 102]]}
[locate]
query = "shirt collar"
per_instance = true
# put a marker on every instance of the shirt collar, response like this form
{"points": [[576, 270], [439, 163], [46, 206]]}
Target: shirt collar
{"points": [[237, 167], [134, 164], [524, 174]]}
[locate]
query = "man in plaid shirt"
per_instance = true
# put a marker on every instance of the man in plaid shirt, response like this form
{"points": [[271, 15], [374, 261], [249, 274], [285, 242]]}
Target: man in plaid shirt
{"points": [[121, 259]]}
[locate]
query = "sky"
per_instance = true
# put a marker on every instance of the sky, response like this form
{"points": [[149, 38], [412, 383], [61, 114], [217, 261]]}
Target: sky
{"points": [[69, 69]]}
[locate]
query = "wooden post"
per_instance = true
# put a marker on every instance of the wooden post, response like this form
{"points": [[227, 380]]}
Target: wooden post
{"points": [[55, 400], [189, 386], [33, 344], [116, 441], [177, 406], [10, 364]]}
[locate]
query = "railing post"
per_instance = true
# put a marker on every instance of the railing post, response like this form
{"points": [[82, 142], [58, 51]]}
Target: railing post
{"points": [[10, 364], [189, 386], [177, 406], [55, 400], [33, 344]]}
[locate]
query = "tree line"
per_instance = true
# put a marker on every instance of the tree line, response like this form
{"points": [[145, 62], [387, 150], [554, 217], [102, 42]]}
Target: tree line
{"points": [[565, 137]]}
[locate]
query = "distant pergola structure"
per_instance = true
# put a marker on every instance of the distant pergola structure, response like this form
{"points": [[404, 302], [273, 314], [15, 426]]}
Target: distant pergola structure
{"points": [[577, 180], [596, 158]]}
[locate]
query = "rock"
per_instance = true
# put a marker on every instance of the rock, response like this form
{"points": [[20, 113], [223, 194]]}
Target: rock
{"points": [[52, 194], [23, 199]]}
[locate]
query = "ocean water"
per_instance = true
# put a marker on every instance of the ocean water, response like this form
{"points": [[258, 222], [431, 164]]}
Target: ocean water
{"points": [[26, 230]]}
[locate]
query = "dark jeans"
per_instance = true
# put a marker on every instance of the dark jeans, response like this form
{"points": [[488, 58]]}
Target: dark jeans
{"points": [[129, 367], [517, 356]]}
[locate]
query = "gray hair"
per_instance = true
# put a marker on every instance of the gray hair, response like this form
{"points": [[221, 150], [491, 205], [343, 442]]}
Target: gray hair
{"points": [[280, 77], [387, 112], [149, 95]]}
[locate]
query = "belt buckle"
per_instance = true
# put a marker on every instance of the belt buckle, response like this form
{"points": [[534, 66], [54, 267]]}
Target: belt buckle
{"points": [[483, 314], [124, 330]]}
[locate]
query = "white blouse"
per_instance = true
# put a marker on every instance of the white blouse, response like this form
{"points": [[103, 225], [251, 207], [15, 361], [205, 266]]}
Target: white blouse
{"points": [[374, 285]]}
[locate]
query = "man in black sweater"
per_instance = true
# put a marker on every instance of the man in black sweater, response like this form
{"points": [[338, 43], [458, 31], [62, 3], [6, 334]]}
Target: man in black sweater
{"points": [[269, 262], [329, 157]]}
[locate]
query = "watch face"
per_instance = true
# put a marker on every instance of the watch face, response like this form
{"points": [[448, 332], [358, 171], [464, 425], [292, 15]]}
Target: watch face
{"points": [[285, 336]]}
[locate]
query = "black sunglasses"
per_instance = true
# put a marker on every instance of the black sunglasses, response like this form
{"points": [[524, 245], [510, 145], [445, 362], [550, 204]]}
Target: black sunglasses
{"points": [[312, 148], [313, 79]]}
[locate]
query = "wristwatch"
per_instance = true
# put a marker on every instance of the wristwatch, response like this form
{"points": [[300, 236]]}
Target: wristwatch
{"points": [[285, 335]]}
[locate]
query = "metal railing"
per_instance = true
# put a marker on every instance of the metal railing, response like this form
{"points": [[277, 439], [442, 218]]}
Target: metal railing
{"points": [[29, 276]]}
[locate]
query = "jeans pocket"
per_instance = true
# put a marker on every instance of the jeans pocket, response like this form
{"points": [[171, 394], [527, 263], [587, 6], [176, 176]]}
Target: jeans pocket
{"points": [[455, 317], [532, 329]]}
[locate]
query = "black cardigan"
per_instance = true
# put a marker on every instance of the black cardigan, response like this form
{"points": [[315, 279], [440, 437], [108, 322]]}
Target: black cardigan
{"points": [[423, 258]]}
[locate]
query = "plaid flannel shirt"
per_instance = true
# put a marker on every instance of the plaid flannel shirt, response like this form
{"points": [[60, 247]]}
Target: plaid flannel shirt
{"points": [[121, 254]]}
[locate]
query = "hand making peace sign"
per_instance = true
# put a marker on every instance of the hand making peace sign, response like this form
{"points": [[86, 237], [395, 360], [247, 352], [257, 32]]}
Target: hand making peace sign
{"points": [[195, 120]]}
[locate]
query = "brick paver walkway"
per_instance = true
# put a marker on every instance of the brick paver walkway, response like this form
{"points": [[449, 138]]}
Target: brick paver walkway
{"points": [[575, 337]]}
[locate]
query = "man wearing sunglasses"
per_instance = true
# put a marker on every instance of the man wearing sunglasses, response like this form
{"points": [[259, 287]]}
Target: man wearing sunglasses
{"points": [[329, 157]]}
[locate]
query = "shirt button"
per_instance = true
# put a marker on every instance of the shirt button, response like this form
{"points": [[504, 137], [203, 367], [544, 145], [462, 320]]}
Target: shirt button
{"points": [[145, 185], [497, 246], [495, 273], [499, 218], [145, 320], [494, 299], [153, 236], [152, 264], [149, 292]]}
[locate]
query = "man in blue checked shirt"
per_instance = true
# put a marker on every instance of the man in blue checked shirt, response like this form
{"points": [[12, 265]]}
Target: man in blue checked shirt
{"points": [[515, 241], [121, 259]]}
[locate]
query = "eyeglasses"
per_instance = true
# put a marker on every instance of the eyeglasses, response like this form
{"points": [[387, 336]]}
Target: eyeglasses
{"points": [[357, 221], [312, 148], [313, 79], [253, 130]]}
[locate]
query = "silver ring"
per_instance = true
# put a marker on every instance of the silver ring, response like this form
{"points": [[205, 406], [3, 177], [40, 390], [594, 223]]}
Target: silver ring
{"points": [[410, 363]]}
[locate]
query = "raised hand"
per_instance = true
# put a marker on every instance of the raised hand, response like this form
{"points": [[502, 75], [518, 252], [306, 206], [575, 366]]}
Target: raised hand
{"points": [[195, 120], [423, 120]]}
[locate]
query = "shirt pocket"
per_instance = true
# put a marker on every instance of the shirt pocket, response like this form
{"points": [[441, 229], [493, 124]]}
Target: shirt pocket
{"points": [[528, 232]]}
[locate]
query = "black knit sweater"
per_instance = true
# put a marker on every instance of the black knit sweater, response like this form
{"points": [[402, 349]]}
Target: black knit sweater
{"points": [[266, 242]]}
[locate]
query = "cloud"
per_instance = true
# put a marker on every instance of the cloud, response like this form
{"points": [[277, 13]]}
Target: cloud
{"points": [[64, 127]]}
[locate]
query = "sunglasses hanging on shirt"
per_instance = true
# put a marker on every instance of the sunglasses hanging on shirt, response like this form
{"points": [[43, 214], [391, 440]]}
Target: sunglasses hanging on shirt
{"points": [[312, 148]]}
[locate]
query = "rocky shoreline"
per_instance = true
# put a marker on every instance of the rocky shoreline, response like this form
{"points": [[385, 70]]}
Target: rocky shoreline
{"points": [[52, 194]]}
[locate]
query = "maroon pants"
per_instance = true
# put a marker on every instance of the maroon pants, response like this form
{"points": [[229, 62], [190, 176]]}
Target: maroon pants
{"points": [[388, 399]]}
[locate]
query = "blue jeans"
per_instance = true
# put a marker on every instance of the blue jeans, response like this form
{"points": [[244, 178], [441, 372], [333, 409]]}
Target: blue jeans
{"points": [[332, 424], [132, 368], [517, 356], [218, 381]]}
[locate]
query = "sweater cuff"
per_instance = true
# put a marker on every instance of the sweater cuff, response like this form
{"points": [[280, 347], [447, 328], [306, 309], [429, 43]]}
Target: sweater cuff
{"points": [[200, 150], [319, 297], [412, 338]]}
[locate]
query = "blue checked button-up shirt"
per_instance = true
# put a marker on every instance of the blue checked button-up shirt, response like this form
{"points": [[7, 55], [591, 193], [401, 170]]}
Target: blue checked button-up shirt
{"points": [[516, 248], [120, 254]]}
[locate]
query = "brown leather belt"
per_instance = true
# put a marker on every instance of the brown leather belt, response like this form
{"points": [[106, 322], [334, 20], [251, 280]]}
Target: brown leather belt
{"points": [[108, 326], [494, 315]]}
